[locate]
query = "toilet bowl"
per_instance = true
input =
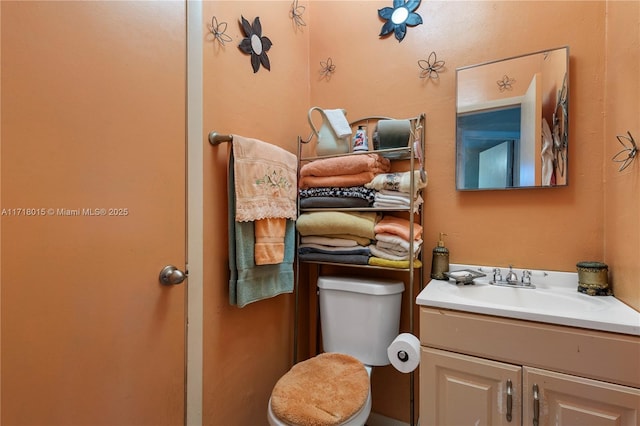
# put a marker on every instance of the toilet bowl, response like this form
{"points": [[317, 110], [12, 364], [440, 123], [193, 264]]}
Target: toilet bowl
{"points": [[359, 319], [315, 401]]}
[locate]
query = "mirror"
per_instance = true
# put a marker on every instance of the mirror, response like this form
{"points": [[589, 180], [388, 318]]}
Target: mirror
{"points": [[512, 122]]}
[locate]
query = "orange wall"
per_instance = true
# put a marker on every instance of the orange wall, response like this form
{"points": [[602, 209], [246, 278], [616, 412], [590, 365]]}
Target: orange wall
{"points": [[622, 189], [247, 350], [549, 228]]}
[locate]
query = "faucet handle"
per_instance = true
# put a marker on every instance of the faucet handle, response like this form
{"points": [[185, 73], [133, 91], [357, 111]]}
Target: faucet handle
{"points": [[497, 275], [511, 276], [526, 277]]}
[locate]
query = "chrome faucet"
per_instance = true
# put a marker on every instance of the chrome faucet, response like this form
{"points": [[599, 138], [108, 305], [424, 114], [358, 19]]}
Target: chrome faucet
{"points": [[512, 278]]}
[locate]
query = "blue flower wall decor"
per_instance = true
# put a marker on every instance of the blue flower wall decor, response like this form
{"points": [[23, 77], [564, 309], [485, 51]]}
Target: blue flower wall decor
{"points": [[398, 17], [255, 44]]}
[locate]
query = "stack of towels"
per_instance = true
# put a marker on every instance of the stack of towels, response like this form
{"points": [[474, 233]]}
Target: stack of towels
{"points": [[394, 243], [340, 181], [351, 237], [394, 190], [334, 236], [358, 238]]}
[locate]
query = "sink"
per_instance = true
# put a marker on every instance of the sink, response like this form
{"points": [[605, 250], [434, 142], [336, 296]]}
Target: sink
{"points": [[520, 298], [554, 300]]}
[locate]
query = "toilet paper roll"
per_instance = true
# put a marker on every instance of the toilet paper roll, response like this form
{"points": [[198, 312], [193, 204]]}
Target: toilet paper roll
{"points": [[404, 352]]}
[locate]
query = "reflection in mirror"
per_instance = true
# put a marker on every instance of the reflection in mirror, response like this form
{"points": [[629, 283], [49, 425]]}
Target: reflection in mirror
{"points": [[512, 122]]}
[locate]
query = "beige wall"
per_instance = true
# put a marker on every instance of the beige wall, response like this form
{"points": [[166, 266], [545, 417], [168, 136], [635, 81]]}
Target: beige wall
{"points": [[594, 218]]}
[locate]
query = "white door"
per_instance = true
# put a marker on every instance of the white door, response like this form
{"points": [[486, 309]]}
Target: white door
{"points": [[530, 134], [93, 207]]}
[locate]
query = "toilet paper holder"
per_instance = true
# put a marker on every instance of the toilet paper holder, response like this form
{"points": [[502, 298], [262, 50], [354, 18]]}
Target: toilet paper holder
{"points": [[404, 352], [403, 356]]}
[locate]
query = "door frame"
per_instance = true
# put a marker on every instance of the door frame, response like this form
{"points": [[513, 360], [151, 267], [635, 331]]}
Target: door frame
{"points": [[195, 141]]}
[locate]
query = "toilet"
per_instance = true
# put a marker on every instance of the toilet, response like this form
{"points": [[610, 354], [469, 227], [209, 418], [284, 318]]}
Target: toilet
{"points": [[359, 317]]}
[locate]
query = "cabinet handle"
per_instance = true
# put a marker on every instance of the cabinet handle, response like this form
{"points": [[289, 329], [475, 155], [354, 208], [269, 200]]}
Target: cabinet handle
{"points": [[509, 400], [536, 406]]}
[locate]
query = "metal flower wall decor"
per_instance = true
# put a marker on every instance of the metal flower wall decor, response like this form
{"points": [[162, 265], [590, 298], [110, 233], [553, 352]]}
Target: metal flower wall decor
{"points": [[506, 83], [295, 13], [327, 69], [628, 153], [430, 67], [255, 44], [218, 30], [398, 17]]}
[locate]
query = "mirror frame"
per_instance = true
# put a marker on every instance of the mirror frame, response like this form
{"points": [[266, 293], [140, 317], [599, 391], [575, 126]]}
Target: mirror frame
{"points": [[551, 108]]}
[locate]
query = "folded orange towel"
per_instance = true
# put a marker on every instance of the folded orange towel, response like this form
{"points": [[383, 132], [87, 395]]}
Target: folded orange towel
{"points": [[398, 226], [346, 165], [357, 179], [269, 246]]}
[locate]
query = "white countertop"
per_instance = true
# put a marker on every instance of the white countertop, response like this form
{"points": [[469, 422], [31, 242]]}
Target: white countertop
{"points": [[555, 300]]}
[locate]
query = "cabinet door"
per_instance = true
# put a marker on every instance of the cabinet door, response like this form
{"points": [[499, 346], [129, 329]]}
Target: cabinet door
{"points": [[570, 400], [459, 390]]}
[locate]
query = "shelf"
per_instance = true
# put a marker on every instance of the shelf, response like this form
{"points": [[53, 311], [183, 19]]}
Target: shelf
{"points": [[409, 158], [356, 209], [403, 153], [351, 265]]}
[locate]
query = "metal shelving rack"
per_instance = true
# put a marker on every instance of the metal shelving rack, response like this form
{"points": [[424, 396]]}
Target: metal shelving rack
{"points": [[414, 154]]}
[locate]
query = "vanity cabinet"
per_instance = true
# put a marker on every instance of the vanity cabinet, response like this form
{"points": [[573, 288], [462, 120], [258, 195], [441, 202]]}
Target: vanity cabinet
{"points": [[482, 370]]}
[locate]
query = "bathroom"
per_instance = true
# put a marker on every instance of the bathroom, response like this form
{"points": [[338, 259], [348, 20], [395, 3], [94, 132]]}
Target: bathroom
{"points": [[243, 351]]}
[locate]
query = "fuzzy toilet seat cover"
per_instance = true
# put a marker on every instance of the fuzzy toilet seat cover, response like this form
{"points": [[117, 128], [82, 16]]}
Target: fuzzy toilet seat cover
{"points": [[322, 391]]}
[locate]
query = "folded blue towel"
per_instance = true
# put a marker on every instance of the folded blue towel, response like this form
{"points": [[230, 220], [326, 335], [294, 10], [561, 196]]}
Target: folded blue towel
{"points": [[249, 282]]}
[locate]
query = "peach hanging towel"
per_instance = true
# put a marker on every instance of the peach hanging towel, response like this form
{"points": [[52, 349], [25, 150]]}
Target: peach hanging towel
{"points": [[265, 193]]}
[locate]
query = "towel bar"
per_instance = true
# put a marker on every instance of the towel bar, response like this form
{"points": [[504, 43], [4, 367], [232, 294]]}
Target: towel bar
{"points": [[216, 138]]}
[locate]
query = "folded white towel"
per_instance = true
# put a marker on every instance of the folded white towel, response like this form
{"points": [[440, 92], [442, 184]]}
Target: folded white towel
{"points": [[398, 181], [395, 194], [396, 199], [338, 122], [397, 241], [396, 248], [386, 254]]}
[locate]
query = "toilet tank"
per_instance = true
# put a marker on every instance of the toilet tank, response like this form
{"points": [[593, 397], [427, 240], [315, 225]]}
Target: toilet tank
{"points": [[360, 316]]}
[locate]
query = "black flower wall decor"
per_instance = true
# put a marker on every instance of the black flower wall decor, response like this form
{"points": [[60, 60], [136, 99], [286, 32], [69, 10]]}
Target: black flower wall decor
{"points": [[397, 18], [255, 44]]}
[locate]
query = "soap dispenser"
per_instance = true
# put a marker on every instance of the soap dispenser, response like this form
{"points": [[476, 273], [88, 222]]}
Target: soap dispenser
{"points": [[440, 260]]}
